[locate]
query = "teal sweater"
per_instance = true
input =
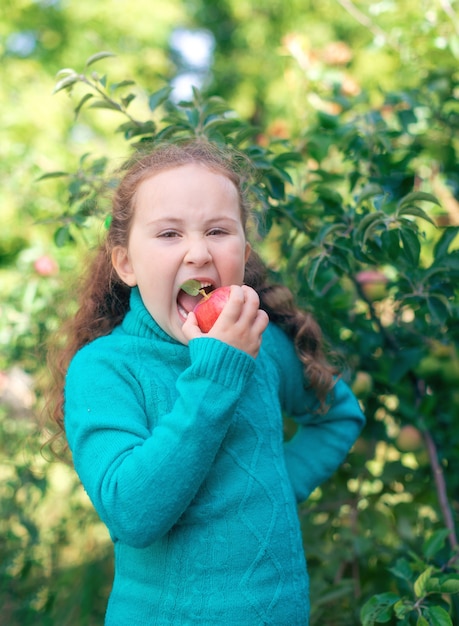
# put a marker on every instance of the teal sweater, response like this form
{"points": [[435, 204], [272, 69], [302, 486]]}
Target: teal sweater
{"points": [[181, 451]]}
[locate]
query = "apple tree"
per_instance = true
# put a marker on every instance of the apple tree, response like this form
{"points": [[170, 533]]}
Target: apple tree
{"points": [[352, 217]]}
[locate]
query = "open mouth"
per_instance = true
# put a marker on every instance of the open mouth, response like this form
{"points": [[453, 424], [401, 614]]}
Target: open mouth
{"points": [[186, 302]]}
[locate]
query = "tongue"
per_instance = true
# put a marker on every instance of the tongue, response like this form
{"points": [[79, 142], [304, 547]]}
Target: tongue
{"points": [[187, 302]]}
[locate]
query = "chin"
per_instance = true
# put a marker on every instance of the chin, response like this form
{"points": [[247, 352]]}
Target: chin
{"points": [[176, 332]]}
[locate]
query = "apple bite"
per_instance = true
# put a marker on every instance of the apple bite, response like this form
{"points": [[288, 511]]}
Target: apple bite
{"points": [[209, 306]]}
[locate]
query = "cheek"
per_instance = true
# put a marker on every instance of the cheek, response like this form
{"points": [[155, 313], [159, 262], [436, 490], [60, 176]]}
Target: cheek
{"points": [[236, 260]]}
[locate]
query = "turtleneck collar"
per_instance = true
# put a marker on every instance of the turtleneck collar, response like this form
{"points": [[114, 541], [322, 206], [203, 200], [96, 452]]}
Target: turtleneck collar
{"points": [[138, 321]]}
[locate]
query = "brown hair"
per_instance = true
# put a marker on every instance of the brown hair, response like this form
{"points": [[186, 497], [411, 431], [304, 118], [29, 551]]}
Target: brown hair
{"points": [[104, 298]]}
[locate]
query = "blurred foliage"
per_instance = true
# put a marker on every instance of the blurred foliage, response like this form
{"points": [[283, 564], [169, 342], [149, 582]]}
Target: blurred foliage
{"points": [[349, 112]]}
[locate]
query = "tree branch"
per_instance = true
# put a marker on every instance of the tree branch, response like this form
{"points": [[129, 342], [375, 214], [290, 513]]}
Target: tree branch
{"points": [[363, 19]]}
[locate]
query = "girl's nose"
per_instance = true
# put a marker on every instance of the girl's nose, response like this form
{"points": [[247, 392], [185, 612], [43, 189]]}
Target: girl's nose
{"points": [[198, 252]]}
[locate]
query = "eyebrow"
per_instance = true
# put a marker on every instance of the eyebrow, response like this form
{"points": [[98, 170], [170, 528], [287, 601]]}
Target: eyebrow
{"points": [[175, 221]]}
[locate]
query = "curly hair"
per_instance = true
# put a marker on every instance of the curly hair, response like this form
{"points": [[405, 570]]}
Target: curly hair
{"points": [[103, 298]]}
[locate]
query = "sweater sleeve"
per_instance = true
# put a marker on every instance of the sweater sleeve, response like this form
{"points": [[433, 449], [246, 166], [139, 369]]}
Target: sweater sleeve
{"points": [[141, 482], [322, 441]]}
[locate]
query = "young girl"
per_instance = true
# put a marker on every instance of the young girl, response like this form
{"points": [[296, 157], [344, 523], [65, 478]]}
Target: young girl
{"points": [[177, 435]]}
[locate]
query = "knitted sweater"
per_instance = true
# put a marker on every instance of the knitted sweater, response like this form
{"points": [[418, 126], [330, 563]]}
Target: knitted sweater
{"points": [[181, 451]]}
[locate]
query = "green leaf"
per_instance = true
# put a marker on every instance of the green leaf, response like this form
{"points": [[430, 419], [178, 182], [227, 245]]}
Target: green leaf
{"points": [[285, 158], [421, 581], [450, 584], [452, 260], [435, 543], [132, 129], [158, 97], [406, 360], [191, 287], [439, 308], [169, 131], [276, 186], [329, 195], [244, 134], [390, 240], [402, 608], [378, 609], [226, 125], [52, 175], [411, 245], [83, 100], [62, 236], [369, 191], [422, 621], [128, 99], [213, 106], [121, 84], [415, 211], [105, 104], [193, 117], [442, 246], [65, 71], [368, 222], [98, 56], [402, 570], [313, 269], [437, 616], [417, 196], [433, 585], [66, 82]]}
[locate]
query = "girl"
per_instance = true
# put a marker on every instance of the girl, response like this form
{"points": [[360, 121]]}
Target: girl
{"points": [[176, 434]]}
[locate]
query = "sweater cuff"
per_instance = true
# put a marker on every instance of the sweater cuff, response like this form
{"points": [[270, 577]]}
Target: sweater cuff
{"points": [[220, 362]]}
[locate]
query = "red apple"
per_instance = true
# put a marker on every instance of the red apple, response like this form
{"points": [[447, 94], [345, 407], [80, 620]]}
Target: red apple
{"points": [[373, 284], [45, 266], [209, 308]]}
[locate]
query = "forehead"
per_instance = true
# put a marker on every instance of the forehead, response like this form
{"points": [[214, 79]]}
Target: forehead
{"points": [[190, 182]]}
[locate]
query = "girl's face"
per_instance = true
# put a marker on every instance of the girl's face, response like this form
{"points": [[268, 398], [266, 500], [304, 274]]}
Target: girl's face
{"points": [[186, 225]]}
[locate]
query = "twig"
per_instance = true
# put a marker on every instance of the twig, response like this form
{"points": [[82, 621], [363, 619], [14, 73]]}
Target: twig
{"points": [[441, 489], [448, 9], [368, 23], [437, 471]]}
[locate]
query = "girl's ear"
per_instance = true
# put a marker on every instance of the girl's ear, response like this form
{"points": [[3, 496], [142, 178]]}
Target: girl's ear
{"points": [[122, 265], [248, 249]]}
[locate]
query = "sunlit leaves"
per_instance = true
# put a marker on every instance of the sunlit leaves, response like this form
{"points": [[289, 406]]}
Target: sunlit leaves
{"points": [[159, 97], [378, 610], [67, 80], [427, 585], [98, 57]]}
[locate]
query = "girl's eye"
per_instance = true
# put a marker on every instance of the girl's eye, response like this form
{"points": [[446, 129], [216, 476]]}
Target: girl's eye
{"points": [[168, 234], [217, 231]]}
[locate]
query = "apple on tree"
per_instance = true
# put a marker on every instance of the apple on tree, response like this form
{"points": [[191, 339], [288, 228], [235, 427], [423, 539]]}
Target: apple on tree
{"points": [[211, 304]]}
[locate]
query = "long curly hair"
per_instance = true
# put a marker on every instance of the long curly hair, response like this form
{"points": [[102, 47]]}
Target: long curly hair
{"points": [[103, 298]]}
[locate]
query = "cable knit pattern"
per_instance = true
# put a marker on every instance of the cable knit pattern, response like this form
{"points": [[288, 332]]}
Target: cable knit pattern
{"points": [[180, 449]]}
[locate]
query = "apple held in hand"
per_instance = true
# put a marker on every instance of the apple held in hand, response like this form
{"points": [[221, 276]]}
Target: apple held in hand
{"points": [[210, 306]]}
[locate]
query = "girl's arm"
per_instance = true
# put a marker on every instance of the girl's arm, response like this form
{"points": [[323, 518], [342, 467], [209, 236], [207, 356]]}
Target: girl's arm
{"points": [[141, 481], [322, 441]]}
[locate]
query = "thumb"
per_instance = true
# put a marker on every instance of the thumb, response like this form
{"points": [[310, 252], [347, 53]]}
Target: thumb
{"points": [[190, 327]]}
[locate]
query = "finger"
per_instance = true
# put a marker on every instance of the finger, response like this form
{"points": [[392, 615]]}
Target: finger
{"points": [[190, 327], [233, 308], [261, 321], [250, 294], [251, 301]]}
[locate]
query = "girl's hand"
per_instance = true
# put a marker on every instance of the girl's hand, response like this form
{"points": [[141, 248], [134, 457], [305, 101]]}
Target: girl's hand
{"points": [[240, 324]]}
